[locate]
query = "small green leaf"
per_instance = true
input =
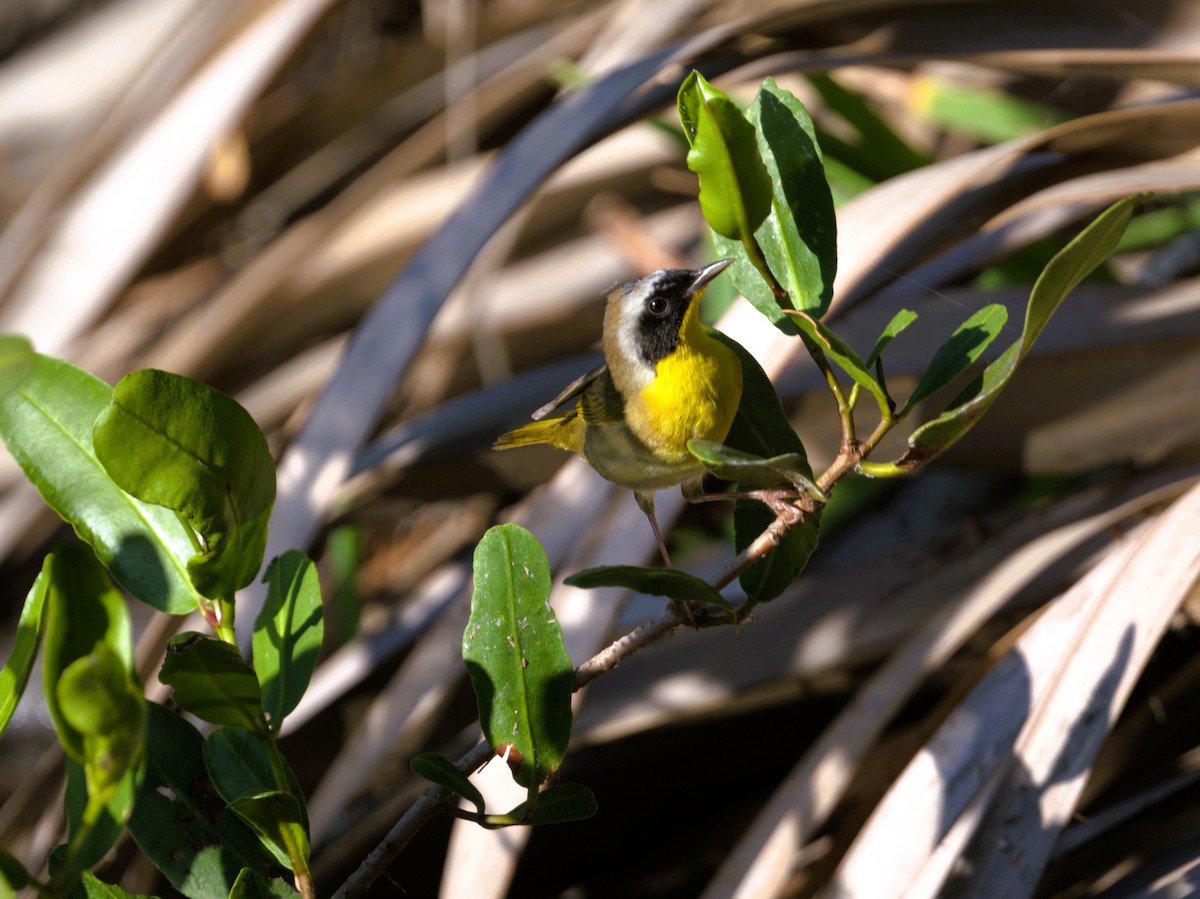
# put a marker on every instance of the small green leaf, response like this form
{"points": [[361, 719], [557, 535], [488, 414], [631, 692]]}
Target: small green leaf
{"points": [[46, 423], [735, 189], [514, 652], [958, 353], [94, 888], [15, 673], [799, 236], [97, 699], [669, 582], [728, 464], [252, 885], [241, 771], [83, 610], [211, 681], [761, 428], [436, 768], [900, 321], [288, 634], [180, 823], [1070, 266], [559, 804], [842, 355], [94, 822], [174, 442], [276, 817]]}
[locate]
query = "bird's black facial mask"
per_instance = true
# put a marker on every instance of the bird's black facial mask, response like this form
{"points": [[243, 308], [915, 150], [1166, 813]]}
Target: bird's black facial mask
{"points": [[668, 294]]}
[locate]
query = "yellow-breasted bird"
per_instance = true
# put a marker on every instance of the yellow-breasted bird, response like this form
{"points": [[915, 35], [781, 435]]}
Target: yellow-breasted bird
{"points": [[666, 380]]}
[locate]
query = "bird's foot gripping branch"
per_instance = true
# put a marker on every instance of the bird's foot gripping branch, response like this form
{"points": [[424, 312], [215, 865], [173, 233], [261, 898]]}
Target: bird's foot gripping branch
{"points": [[764, 195]]}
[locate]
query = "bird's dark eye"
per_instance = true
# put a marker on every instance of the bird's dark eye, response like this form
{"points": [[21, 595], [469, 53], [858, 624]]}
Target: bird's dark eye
{"points": [[656, 306]]}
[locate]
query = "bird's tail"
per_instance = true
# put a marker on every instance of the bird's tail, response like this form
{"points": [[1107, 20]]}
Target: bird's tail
{"points": [[564, 432]]}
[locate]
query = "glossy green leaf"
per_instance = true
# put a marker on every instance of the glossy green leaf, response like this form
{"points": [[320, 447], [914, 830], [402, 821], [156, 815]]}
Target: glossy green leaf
{"points": [[174, 442], [46, 423], [728, 464], [958, 353], [210, 680], [900, 321], [183, 826], [1070, 266], [436, 768], [842, 355], [669, 582], [514, 652], [799, 236], [83, 610], [241, 772], [735, 189], [761, 428], [287, 634], [15, 673], [559, 804]]}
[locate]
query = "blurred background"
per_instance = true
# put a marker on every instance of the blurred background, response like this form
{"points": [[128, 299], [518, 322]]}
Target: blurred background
{"points": [[386, 227]]}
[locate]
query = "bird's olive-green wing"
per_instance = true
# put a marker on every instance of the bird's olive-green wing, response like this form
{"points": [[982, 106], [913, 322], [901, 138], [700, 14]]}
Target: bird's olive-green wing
{"points": [[601, 403], [572, 390]]}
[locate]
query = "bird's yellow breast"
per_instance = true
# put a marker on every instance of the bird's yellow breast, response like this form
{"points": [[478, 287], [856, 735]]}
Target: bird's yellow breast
{"points": [[694, 395]]}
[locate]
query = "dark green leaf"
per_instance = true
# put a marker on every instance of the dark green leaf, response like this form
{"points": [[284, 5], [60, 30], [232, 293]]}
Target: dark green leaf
{"points": [[211, 681], [900, 321], [182, 825], [83, 609], [958, 353], [761, 428], [729, 464], [13, 875], [735, 189], [514, 652], [46, 423], [174, 442], [241, 771], [669, 582], [799, 236], [15, 674], [436, 768], [288, 634], [561, 803], [1076, 260]]}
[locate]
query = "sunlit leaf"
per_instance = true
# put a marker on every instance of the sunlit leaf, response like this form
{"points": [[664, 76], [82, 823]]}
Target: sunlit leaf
{"points": [[15, 674], [958, 353], [669, 582], [209, 679], [288, 633]]}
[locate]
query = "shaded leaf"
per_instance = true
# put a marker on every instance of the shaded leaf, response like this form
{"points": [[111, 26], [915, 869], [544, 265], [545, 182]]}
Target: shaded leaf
{"points": [[958, 353], [210, 680], [93, 831], [46, 423], [276, 817], [900, 321], [669, 582], [436, 768], [181, 824], [93, 887], [15, 673], [288, 634], [174, 442], [781, 566], [96, 697], [251, 885], [514, 652], [729, 464], [83, 610], [841, 354], [559, 804], [13, 875]]}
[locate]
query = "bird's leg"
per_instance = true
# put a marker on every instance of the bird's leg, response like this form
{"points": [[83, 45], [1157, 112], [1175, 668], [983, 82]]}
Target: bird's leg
{"points": [[645, 502], [781, 501]]}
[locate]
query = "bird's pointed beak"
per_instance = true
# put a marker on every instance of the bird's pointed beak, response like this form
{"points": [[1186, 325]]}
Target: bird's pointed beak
{"points": [[706, 274]]}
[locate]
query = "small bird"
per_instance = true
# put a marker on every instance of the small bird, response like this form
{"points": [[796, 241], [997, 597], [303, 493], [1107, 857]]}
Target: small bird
{"points": [[665, 380]]}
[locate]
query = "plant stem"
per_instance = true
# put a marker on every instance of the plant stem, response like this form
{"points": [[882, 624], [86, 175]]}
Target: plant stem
{"points": [[845, 410]]}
